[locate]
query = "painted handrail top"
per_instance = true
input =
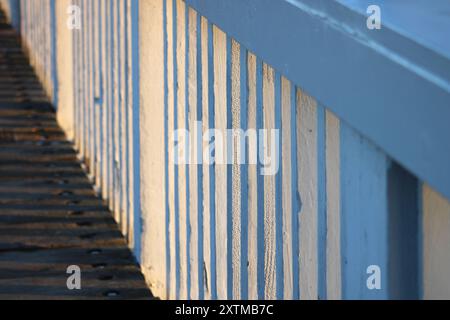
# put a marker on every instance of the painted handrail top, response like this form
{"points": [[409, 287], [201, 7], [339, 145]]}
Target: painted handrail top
{"points": [[389, 85], [425, 22]]}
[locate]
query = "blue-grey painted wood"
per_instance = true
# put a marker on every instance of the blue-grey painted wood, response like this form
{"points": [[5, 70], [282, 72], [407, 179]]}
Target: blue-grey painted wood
{"points": [[279, 196], [408, 18], [364, 215], [137, 219], [212, 169], [296, 201], [244, 116], [420, 241], [14, 13], [391, 88], [135, 123], [380, 222], [54, 54], [322, 204], [404, 258], [260, 185]]}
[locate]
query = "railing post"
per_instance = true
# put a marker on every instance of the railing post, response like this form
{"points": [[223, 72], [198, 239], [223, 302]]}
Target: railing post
{"points": [[379, 221]]}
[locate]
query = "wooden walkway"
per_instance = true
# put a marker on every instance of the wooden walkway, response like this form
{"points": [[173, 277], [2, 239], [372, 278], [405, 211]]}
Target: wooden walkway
{"points": [[50, 217]]}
